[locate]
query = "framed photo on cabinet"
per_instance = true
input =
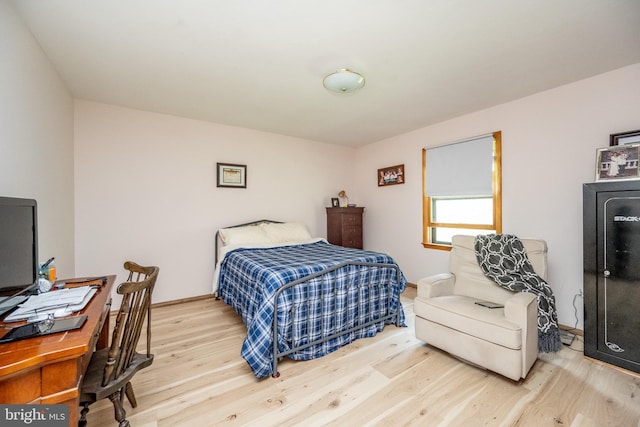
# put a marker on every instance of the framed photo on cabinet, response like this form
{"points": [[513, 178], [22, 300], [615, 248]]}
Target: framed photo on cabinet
{"points": [[618, 162], [624, 138]]}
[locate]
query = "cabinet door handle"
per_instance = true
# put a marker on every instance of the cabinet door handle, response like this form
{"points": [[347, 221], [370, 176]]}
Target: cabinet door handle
{"points": [[606, 273]]}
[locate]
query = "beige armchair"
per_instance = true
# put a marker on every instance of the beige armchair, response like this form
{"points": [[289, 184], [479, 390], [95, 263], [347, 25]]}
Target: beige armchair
{"points": [[503, 340]]}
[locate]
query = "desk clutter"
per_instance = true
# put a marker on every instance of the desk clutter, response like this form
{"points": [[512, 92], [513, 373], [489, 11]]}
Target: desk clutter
{"points": [[85, 281], [58, 303], [45, 327]]}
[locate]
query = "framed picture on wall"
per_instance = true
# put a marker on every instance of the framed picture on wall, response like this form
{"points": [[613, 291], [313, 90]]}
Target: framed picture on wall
{"points": [[230, 175], [391, 175], [624, 138], [618, 162]]}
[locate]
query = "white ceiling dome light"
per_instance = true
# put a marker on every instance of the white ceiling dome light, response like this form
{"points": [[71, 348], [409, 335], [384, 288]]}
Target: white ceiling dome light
{"points": [[343, 81]]}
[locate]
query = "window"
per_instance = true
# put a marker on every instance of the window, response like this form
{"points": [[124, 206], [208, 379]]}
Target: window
{"points": [[461, 190]]}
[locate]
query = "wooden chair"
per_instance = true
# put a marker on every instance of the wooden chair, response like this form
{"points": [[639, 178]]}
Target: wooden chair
{"points": [[111, 369]]}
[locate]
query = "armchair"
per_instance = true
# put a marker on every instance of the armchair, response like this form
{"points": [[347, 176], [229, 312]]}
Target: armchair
{"points": [[503, 340]]}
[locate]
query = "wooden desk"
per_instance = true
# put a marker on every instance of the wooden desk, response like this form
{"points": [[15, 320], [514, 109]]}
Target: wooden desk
{"points": [[49, 369]]}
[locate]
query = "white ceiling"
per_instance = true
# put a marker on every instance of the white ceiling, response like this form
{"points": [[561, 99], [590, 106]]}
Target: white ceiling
{"points": [[259, 64]]}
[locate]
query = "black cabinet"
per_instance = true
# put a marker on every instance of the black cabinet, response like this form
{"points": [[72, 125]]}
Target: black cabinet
{"points": [[611, 239]]}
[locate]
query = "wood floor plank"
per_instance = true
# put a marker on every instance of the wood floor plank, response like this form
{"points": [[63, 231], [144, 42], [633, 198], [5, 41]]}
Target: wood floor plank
{"points": [[199, 379]]}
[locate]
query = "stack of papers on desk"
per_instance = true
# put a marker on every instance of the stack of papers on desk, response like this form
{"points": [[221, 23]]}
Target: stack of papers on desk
{"points": [[72, 300]]}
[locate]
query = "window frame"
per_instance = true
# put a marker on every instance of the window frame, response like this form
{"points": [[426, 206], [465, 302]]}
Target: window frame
{"points": [[496, 183]]}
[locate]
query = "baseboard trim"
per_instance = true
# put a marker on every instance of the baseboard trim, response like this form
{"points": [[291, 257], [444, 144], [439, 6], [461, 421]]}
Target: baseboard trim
{"points": [[210, 296], [574, 331], [182, 300]]}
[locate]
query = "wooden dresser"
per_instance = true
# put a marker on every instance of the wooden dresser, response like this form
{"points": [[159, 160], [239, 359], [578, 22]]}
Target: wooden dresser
{"points": [[344, 227]]}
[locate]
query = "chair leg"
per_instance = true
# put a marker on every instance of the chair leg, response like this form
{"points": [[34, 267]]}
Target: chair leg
{"points": [[118, 409], [82, 422], [130, 395]]}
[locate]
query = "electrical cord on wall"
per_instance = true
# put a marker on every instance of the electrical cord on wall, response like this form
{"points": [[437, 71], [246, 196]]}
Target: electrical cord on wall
{"points": [[575, 326], [575, 310]]}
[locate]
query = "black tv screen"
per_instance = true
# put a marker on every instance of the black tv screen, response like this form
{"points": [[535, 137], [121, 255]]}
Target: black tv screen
{"points": [[18, 244]]}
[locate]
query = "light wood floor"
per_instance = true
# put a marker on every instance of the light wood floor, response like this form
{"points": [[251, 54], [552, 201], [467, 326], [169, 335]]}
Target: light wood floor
{"points": [[199, 379]]}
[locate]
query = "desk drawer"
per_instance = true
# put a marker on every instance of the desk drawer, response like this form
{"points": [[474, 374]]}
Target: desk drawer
{"points": [[21, 388]]}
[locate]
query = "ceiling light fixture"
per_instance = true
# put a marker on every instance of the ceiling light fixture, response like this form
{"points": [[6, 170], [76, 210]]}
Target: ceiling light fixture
{"points": [[343, 81]]}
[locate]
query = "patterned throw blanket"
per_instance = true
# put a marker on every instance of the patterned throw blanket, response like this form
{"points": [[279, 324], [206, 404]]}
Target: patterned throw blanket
{"points": [[503, 259]]}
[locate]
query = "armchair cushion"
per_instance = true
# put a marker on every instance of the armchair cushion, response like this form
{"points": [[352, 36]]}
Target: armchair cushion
{"points": [[462, 314]]}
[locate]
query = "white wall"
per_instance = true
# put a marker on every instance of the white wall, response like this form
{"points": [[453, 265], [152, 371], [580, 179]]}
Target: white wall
{"points": [[145, 190], [36, 138], [549, 143]]}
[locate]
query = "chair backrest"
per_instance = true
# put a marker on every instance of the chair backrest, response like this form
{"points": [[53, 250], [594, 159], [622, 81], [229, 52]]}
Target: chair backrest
{"points": [[135, 309], [471, 281]]}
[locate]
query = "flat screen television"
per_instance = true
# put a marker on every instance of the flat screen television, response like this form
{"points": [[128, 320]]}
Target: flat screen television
{"points": [[18, 249]]}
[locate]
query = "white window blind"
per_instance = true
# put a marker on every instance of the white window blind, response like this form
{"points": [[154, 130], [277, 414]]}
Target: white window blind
{"points": [[460, 169]]}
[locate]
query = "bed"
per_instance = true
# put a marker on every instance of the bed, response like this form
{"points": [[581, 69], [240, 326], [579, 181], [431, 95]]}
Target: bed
{"points": [[301, 297]]}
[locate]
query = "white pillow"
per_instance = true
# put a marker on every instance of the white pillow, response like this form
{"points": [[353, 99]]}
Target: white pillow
{"points": [[243, 235], [286, 232]]}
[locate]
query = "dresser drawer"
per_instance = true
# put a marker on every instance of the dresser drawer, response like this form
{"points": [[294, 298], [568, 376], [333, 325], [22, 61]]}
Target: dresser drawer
{"points": [[352, 242], [351, 219], [350, 231]]}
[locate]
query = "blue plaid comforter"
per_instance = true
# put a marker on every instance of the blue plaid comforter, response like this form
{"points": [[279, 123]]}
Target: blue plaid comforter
{"points": [[250, 277]]}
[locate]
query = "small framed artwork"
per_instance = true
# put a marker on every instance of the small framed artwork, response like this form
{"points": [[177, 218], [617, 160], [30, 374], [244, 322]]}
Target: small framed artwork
{"points": [[230, 175], [618, 162], [391, 175], [624, 138], [335, 202]]}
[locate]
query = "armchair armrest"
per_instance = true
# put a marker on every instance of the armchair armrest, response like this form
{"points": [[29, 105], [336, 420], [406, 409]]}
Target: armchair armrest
{"points": [[520, 307], [437, 285]]}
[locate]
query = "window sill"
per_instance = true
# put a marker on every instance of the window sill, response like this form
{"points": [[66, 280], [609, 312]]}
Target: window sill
{"points": [[440, 247]]}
